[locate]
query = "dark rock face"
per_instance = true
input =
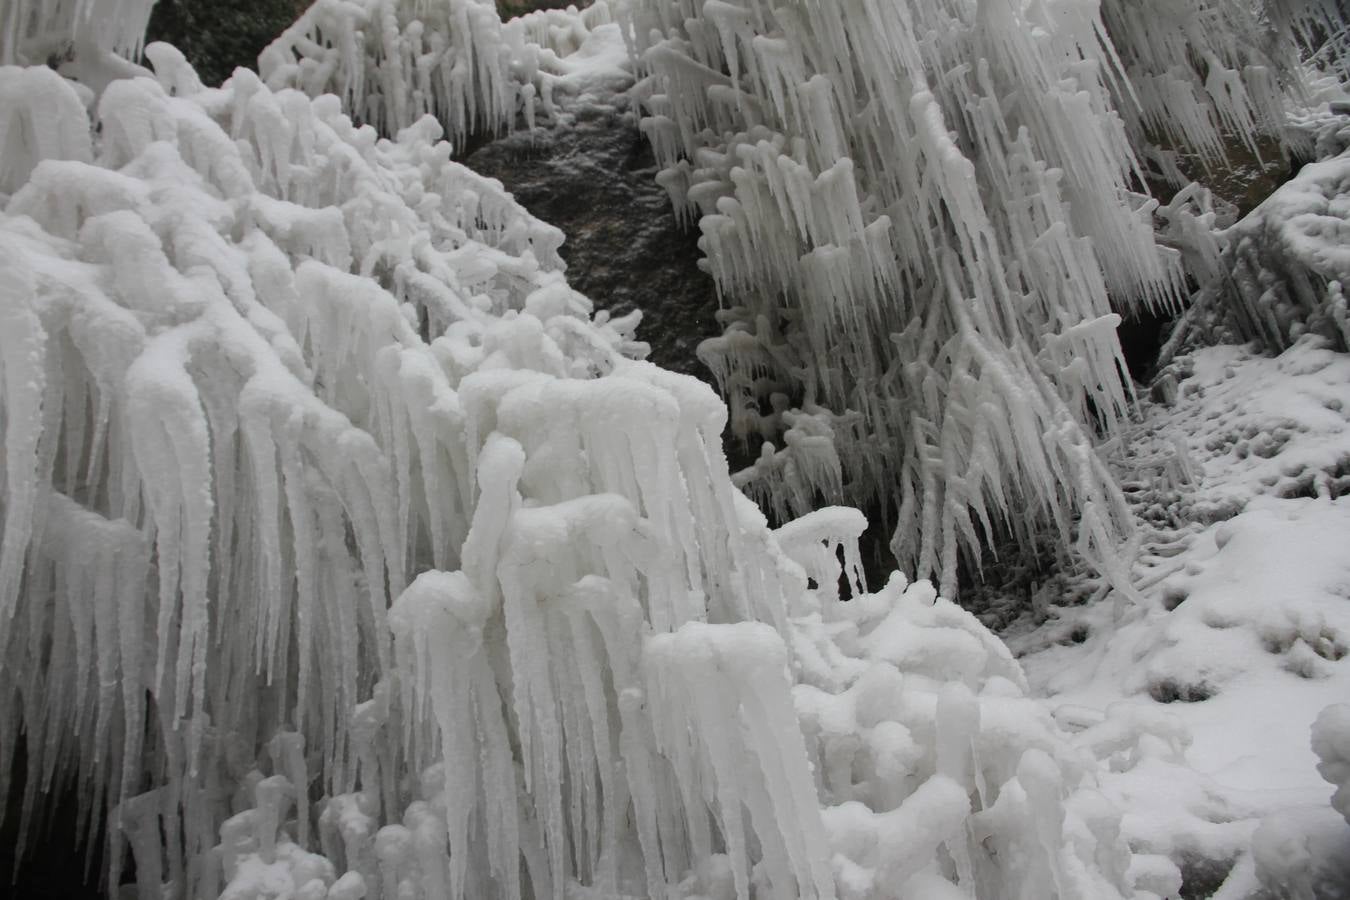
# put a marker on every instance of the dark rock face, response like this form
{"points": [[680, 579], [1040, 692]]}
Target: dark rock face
{"points": [[57, 863], [593, 175], [218, 37], [509, 8]]}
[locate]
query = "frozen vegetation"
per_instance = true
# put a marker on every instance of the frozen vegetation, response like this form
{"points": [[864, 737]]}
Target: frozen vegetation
{"points": [[349, 553]]}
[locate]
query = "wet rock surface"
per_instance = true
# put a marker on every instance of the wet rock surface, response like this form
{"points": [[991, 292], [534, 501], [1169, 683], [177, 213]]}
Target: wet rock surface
{"points": [[592, 174]]}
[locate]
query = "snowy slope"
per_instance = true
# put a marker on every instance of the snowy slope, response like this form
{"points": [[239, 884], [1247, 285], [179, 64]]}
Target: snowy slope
{"points": [[1242, 480]]}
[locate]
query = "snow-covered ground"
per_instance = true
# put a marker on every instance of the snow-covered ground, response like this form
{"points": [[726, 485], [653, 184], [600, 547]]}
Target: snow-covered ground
{"points": [[1242, 482]]}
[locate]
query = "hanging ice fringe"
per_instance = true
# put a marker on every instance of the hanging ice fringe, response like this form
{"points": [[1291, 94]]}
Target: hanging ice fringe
{"points": [[393, 61], [925, 219], [918, 214], [346, 554]]}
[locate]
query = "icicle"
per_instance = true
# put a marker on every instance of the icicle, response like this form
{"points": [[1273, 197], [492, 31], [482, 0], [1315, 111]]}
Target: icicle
{"points": [[812, 216], [720, 673], [23, 340], [453, 48]]}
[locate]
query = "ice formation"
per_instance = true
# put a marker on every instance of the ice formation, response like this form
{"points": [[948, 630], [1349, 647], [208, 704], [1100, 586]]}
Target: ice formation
{"points": [[91, 40], [1204, 75], [900, 204], [916, 214], [35, 30], [1285, 266], [1305, 853], [347, 554], [920, 213], [1331, 743], [393, 61]]}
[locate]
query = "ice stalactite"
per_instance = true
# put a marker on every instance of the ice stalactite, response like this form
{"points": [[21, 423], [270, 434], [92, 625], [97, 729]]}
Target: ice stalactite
{"points": [[33, 30], [568, 737], [196, 377], [91, 41], [1206, 75], [702, 675], [345, 555], [31, 132], [915, 213], [393, 61]]}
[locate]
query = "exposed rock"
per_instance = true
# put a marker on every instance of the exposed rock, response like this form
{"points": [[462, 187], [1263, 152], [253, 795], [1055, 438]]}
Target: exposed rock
{"points": [[591, 173]]}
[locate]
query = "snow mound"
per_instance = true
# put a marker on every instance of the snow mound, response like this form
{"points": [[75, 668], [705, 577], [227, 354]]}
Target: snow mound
{"points": [[1302, 854], [1305, 853]]}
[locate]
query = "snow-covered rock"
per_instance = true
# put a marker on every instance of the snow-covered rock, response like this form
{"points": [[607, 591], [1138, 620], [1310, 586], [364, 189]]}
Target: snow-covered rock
{"points": [[1287, 264]]}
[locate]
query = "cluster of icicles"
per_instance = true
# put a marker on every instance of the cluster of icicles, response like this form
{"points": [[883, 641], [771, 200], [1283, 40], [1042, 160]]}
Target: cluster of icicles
{"points": [[921, 216], [1205, 76], [34, 30], [347, 553], [393, 61]]}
